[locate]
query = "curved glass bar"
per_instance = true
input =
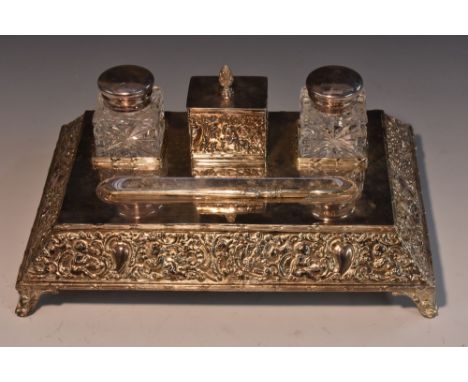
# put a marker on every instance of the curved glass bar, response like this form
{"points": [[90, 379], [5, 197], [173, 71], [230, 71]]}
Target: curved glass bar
{"points": [[137, 196], [149, 189]]}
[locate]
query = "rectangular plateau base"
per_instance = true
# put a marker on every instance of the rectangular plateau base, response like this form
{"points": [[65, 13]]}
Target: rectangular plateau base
{"points": [[81, 243]]}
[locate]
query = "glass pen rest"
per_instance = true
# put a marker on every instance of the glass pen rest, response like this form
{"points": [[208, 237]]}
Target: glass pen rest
{"points": [[138, 196], [155, 189]]}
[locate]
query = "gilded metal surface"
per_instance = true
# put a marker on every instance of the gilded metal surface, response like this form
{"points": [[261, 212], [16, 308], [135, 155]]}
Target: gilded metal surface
{"points": [[233, 258], [231, 209], [228, 134], [220, 168], [126, 88], [227, 120], [228, 143], [250, 93], [226, 79], [71, 249], [340, 164], [134, 164], [408, 210], [333, 87], [424, 298], [49, 209]]}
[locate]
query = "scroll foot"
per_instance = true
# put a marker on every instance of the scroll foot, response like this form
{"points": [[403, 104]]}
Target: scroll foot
{"points": [[27, 301], [425, 300]]}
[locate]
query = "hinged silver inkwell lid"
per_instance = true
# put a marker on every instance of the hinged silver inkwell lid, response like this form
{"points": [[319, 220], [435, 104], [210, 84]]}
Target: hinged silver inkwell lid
{"points": [[227, 91], [126, 88], [332, 88]]}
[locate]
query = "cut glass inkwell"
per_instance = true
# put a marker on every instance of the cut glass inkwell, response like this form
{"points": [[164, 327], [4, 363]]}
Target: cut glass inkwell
{"points": [[128, 121], [333, 128]]}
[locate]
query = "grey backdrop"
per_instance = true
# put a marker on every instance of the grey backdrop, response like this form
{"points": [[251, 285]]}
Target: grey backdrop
{"points": [[48, 81]]}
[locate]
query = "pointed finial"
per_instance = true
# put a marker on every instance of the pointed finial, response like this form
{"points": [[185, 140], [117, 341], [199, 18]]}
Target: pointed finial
{"points": [[226, 79]]}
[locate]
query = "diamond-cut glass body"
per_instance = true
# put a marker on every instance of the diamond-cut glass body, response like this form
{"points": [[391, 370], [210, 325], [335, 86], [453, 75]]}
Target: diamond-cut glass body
{"points": [[334, 143], [135, 134], [340, 135]]}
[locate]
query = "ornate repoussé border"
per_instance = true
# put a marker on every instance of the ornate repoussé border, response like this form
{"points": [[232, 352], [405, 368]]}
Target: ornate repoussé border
{"points": [[139, 255], [409, 215], [54, 191], [49, 208]]}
